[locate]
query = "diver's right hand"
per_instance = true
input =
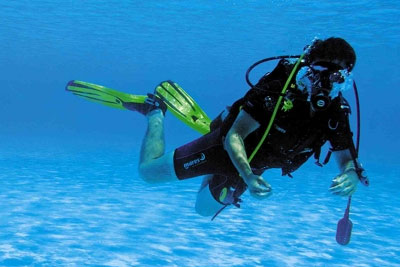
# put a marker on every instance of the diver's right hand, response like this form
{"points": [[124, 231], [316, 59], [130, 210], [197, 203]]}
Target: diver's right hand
{"points": [[258, 187]]}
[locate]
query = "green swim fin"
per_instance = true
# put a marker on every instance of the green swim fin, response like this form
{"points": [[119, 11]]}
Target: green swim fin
{"points": [[177, 100], [183, 106], [105, 96]]}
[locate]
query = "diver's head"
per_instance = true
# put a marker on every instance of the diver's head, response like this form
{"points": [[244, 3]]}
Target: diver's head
{"points": [[335, 51], [328, 66]]}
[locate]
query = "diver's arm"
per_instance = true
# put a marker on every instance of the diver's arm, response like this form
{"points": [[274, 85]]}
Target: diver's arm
{"points": [[234, 145], [346, 183], [346, 156]]}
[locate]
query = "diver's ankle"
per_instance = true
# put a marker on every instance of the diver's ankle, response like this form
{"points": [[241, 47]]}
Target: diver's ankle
{"points": [[155, 112]]}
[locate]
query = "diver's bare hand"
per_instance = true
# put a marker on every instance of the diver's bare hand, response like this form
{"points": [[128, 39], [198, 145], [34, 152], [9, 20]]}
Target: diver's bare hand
{"points": [[258, 187], [345, 184]]}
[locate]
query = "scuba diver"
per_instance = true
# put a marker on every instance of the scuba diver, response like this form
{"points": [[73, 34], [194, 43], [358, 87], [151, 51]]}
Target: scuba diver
{"points": [[313, 111], [281, 122]]}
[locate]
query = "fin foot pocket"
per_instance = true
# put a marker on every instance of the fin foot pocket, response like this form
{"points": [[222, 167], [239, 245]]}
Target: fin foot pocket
{"points": [[181, 105]]}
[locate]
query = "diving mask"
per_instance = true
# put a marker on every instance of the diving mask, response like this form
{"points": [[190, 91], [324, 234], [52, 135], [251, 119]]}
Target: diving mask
{"points": [[322, 82]]}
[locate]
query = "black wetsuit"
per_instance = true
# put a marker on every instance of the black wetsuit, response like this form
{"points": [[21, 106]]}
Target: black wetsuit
{"points": [[295, 136]]}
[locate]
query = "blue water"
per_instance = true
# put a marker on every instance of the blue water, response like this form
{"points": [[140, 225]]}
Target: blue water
{"points": [[69, 190]]}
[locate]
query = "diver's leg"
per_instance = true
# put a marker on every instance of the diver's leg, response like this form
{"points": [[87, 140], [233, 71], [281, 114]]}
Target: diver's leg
{"points": [[154, 165], [217, 191], [206, 204], [153, 144]]}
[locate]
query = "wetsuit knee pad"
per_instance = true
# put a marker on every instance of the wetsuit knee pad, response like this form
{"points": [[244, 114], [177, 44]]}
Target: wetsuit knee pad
{"points": [[206, 204], [227, 190], [219, 192]]}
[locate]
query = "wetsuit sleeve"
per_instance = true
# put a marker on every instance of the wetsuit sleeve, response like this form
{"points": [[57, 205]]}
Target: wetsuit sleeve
{"points": [[342, 141], [341, 136]]}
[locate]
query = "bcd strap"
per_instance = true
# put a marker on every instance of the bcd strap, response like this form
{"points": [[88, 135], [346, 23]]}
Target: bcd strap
{"points": [[317, 154], [328, 156]]}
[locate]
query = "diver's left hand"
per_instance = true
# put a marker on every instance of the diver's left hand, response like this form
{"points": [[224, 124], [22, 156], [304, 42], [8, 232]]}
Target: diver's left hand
{"points": [[345, 184]]}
